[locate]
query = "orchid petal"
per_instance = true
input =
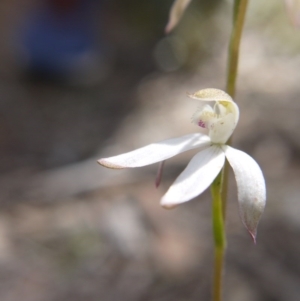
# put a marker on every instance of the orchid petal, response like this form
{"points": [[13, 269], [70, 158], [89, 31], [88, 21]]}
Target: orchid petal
{"points": [[250, 185], [176, 12], [156, 152], [197, 176]]}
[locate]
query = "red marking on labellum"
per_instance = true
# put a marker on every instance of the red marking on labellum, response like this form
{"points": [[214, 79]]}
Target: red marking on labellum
{"points": [[201, 124], [159, 173]]}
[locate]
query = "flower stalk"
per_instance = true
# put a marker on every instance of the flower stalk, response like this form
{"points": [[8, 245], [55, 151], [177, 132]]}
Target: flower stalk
{"points": [[219, 236], [219, 187], [239, 13]]}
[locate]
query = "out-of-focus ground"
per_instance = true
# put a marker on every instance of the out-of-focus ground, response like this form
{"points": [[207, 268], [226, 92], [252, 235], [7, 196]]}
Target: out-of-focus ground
{"points": [[72, 230]]}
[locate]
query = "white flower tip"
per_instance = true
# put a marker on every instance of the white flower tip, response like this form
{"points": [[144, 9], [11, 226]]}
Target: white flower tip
{"points": [[251, 219], [168, 206], [253, 235], [106, 163], [167, 203]]}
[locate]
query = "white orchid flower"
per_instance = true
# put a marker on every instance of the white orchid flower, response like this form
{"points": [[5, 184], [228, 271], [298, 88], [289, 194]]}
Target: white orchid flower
{"points": [[219, 121]]}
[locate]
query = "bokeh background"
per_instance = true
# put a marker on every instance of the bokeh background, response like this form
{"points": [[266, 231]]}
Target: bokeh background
{"points": [[80, 80]]}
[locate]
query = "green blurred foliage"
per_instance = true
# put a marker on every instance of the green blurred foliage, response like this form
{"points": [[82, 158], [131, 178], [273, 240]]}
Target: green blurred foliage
{"points": [[270, 18], [148, 19]]}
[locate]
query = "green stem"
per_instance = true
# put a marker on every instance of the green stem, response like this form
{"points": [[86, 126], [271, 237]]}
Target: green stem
{"points": [[219, 235], [220, 184], [239, 13], [240, 8]]}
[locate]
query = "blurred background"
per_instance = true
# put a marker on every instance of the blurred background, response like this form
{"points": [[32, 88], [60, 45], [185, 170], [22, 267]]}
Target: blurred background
{"points": [[80, 80]]}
